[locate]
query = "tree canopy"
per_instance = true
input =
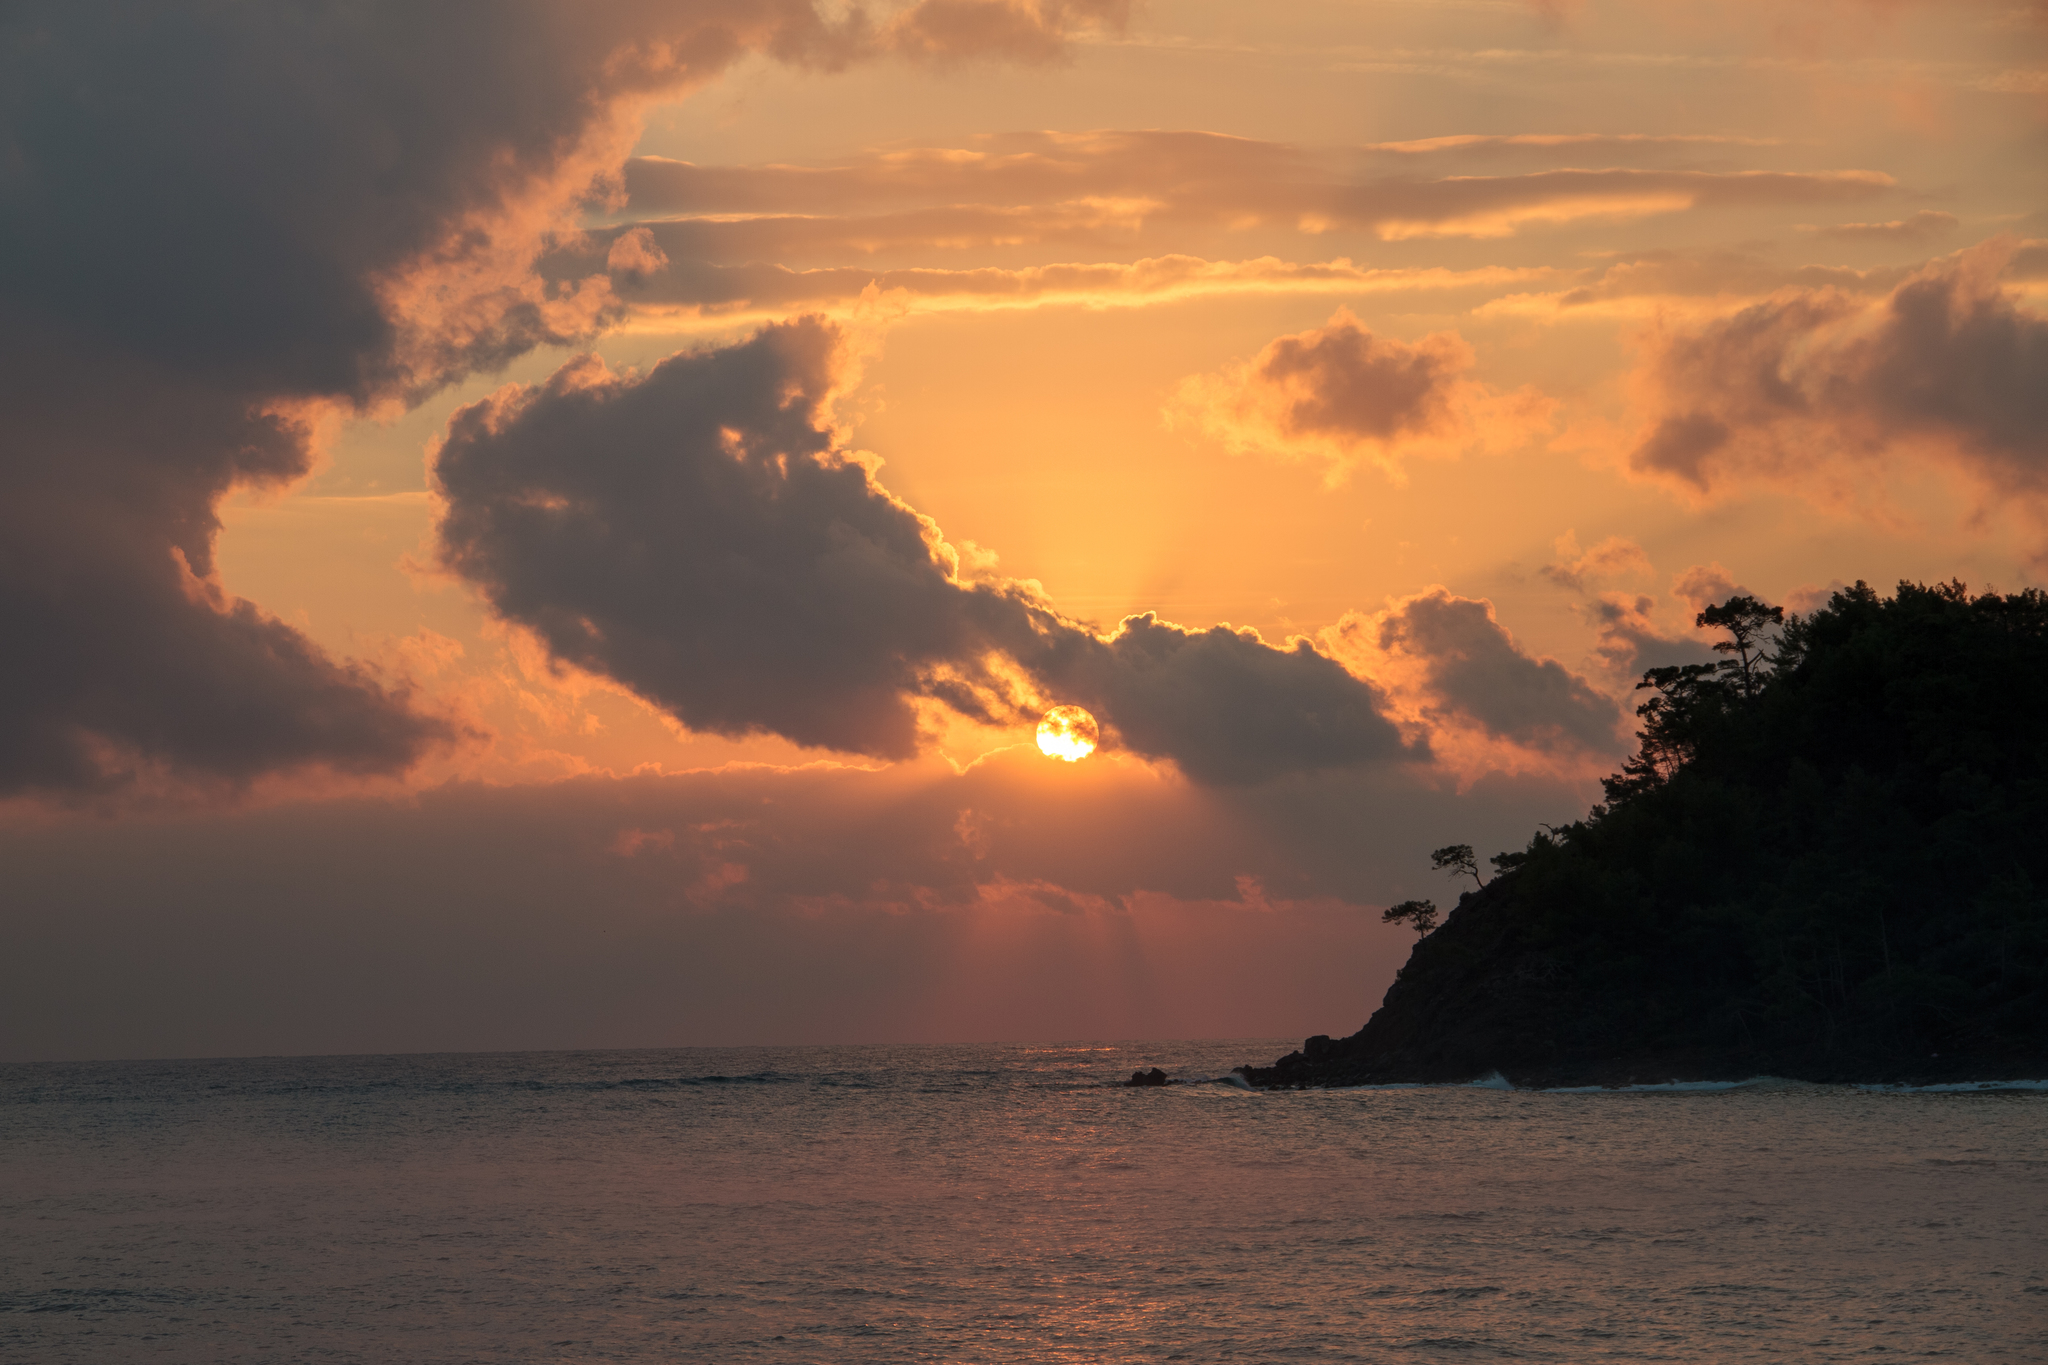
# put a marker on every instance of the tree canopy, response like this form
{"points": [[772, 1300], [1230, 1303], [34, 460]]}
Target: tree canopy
{"points": [[1825, 859]]}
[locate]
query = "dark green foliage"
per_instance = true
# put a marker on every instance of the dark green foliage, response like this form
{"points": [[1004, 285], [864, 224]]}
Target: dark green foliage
{"points": [[1829, 859], [1420, 915]]}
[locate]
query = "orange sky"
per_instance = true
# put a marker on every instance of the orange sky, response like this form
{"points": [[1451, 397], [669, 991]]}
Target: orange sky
{"points": [[1460, 351]]}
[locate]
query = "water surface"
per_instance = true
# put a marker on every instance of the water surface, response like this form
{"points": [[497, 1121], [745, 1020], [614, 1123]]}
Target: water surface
{"points": [[996, 1204]]}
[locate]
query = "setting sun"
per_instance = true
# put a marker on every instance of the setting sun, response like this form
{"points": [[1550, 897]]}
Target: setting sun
{"points": [[1068, 732]]}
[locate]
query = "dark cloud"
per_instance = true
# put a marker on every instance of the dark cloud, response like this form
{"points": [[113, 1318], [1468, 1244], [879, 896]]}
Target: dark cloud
{"points": [[1342, 381], [1629, 640], [1476, 672], [1789, 388], [128, 667], [1340, 393], [1224, 705], [681, 533], [697, 535], [219, 224]]}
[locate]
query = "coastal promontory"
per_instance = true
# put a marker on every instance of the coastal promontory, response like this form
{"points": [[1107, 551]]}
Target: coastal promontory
{"points": [[1827, 861]]}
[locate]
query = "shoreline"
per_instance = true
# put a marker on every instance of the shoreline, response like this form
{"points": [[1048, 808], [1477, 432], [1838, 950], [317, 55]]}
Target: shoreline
{"points": [[1496, 1081]]}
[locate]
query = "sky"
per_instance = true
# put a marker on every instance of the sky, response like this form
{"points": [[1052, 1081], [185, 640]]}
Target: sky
{"points": [[539, 526]]}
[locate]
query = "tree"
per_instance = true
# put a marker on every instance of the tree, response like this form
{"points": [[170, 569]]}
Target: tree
{"points": [[1458, 860], [1684, 695], [1745, 618], [1419, 915], [1688, 700]]}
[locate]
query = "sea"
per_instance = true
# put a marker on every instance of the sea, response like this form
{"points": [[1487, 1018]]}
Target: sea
{"points": [[998, 1203]]}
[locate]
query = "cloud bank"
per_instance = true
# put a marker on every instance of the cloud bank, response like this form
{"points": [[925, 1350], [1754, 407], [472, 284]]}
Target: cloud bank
{"points": [[699, 535], [1488, 705], [749, 905], [1808, 385], [344, 206], [1099, 185]]}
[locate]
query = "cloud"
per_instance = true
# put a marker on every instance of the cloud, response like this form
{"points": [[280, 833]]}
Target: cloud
{"points": [[1007, 188], [796, 238], [1499, 206], [1224, 705], [1627, 637], [1666, 283], [1706, 585], [635, 254], [1203, 170], [1807, 386], [1917, 230], [1549, 145], [1614, 557], [1454, 672], [344, 210], [745, 905], [1629, 640], [948, 31], [1341, 394], [690, 291], [698, 535], [130, 670]]}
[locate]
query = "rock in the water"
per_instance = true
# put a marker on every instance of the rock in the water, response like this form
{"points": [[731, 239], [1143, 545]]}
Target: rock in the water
{"points": [[1153, 1077]]}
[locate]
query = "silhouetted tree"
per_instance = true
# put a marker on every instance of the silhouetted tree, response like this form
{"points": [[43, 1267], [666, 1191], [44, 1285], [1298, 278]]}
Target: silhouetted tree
{"points": [[1684, 694], [1745, 618], [1689, 700], [1827, 846], [1458, 860], [1418, 915]]}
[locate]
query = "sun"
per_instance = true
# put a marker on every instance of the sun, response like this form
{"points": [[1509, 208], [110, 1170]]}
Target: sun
{"points": [[1068, 732]]}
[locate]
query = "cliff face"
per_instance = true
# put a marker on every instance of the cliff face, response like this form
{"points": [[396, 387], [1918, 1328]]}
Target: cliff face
{"points": [[1837, 875], [1467, 1003]]}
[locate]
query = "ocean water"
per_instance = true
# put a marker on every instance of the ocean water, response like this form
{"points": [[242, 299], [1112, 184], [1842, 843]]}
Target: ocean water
{"points": [[996, 1204]]}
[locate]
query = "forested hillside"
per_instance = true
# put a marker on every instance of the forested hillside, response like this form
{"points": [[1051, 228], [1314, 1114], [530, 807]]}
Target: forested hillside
{"points": [[1828, 860]]}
